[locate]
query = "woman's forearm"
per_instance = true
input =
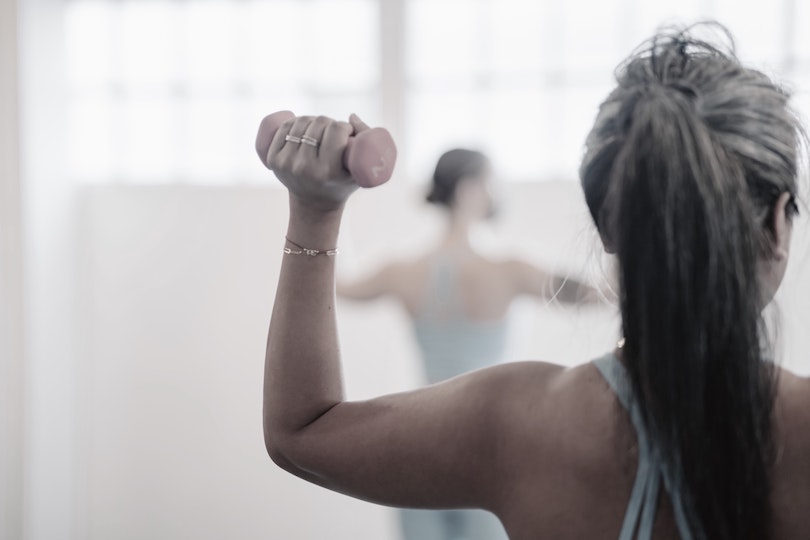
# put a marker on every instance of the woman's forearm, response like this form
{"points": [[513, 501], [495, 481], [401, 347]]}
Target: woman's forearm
{"points": [[302, 367]]}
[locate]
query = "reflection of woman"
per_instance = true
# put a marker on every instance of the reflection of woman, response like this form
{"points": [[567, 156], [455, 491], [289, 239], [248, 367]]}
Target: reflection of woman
{"points": [[458, 301], [684, 432]]}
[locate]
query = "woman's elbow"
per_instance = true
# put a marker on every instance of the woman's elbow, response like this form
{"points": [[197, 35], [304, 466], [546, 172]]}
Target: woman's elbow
{"points": [[278, 450]]}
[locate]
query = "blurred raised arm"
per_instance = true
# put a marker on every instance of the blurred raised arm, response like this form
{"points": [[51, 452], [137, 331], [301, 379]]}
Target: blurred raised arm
{"points": [[381, 283], [535, 281]]}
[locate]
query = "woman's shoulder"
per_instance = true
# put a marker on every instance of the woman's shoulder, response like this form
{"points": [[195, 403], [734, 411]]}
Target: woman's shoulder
{"points": [[541, 381], [791, 475], [792, 408], [552, 399], [793, 392], [562, 423]]}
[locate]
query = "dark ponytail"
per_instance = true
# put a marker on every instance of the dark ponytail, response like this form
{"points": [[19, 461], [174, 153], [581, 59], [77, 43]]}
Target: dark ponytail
{"points": [[687, 157]]}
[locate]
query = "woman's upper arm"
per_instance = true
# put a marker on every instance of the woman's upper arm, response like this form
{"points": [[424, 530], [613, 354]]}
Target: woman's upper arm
{"points": [[443, 446]]}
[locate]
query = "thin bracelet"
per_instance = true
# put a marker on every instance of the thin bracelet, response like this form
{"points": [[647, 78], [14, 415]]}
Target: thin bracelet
{"points": [[308, 252]]}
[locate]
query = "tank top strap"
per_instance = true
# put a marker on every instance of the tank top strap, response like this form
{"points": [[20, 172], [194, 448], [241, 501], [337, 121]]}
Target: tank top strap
{"points": [[442, 295], [640, 516]]}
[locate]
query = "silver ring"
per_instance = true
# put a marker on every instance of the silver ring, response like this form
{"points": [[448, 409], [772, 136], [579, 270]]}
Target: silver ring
{"points": [[306, 139], [293, 139]]}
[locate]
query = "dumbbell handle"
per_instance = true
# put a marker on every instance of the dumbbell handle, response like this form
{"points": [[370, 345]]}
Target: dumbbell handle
{"points": [[369, 156]]}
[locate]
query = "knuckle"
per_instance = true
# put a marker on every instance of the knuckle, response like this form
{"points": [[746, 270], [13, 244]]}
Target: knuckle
{"points": [[283, 161], [321, 170], [298, 167], [288, 124], [274, 160]]}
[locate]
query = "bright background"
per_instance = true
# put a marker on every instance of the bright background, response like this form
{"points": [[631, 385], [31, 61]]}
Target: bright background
{"points": [[140, 235], [519, 78]]}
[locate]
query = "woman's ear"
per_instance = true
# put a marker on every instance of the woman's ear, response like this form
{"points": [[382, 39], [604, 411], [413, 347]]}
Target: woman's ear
{"points": [[781, 226]]}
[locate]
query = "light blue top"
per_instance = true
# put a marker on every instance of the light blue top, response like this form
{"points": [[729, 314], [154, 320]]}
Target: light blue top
{"points": [[450, 342], [652, 471]]}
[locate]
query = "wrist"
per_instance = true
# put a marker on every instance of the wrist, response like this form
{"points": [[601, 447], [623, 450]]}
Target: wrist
{"points": [[314, 225], [314, 209]]}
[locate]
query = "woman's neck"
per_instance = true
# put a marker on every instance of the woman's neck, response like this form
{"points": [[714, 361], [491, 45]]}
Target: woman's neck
{"points": [[457, 235]]}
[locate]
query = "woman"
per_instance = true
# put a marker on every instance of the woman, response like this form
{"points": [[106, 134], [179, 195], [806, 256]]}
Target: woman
{"points": [[457, 298], [458, 301], [690, 176]]}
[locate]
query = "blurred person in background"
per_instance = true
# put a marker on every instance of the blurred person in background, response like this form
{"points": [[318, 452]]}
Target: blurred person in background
{"points": [[458, 301]]}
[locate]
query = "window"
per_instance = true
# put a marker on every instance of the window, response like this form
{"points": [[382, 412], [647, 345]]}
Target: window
{"points": [[523, 79], [164, 91]]}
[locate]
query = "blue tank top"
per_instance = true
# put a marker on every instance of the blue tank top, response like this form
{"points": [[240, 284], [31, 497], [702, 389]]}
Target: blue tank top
{"points": [[652, 472], [450, 342]]}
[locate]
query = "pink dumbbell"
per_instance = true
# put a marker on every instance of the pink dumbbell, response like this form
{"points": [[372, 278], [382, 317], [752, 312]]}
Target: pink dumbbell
{"points": [[369, 157]]}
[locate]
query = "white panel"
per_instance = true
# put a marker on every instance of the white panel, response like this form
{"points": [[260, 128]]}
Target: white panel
{"points": [[51, 464], [519, 40], [573, 116], [208, 45], [149, 145], [590, 35], [171, 80], [438, 121], [268, 38], [760, 34], [11, 284], [340, 40], [802, 36], [649, 16], [93, 133], [210, 147], [89, 31], [145, 32], [178, 288], [445, 38], [519, 136]]}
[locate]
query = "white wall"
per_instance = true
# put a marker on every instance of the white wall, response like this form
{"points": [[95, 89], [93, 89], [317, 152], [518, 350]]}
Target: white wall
{"points": [[11, 342], [50, 491], [792, 302], [176, 287]]}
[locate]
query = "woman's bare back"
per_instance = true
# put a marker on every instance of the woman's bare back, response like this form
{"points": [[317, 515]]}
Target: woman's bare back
{"points": [[485, 287], [578, 485]]}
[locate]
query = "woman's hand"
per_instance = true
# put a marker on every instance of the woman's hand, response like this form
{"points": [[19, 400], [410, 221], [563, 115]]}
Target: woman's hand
{"points": [[307, 157]]}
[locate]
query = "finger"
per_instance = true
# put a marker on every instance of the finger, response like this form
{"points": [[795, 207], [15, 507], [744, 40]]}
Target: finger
{"points": [[336, 137], [358, 125], [279, 142], [292, 140], [300, 126], [311, 140], [267, 131]]}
